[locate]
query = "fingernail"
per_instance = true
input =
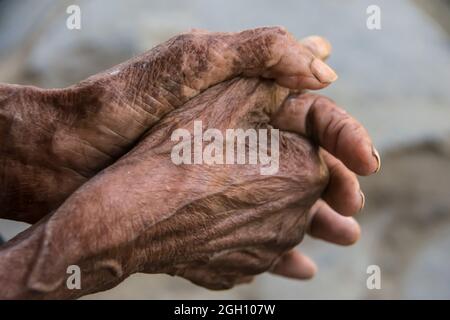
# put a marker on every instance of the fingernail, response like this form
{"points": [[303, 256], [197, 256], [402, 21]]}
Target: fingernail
{"points": [[377, 156], [322, 71], [363, 200]]}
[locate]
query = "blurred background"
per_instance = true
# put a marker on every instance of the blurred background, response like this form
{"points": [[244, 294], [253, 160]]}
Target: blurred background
{"points": [[395, 80]]}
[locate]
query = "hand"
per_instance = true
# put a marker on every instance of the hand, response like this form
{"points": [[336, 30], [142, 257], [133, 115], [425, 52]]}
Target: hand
{"points": [[215, 225], [53, 141]]}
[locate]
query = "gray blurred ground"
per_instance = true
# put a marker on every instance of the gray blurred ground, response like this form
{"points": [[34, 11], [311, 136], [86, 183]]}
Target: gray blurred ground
{"points": [[395, 81]]}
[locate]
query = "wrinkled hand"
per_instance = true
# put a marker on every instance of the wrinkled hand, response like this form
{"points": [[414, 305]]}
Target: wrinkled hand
{"points": [[216, 225], [53, 141], [100, 227]]}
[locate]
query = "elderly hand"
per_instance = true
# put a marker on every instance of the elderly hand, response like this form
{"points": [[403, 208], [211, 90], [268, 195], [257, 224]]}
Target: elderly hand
{"points": [[216, 225]]}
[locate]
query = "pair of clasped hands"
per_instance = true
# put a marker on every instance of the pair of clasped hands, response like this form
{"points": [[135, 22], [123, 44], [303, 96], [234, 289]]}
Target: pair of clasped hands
{"points": [[89, 166]]}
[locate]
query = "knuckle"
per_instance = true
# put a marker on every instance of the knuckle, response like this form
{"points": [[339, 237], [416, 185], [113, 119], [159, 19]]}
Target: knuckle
{"points": [[291, 106], [278, 30], [186, 38], [321, 100], [290, 240], [262, 47], [260, 260], [300, 159], [301, 103], [274, 32], [292, 235]]}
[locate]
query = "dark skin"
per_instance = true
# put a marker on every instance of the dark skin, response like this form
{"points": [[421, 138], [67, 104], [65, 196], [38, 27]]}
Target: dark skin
{"points": [[106, 226]]}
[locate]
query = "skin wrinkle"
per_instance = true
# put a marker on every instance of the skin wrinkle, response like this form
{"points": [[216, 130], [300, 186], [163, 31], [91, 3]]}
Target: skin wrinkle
{"points": [[87, 144], [125, 104], [143, 105], [193, 200], [192, 91], [170, 94], [228, 225], [125, 139], [309, 123], [337, 127], [332, 132], [138, 87]]}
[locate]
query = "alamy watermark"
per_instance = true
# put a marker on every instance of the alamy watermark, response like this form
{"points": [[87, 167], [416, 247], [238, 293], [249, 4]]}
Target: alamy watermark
{"points": [[374, 279], [73, 21], [373, 21], [73, 281], [238, 146]]}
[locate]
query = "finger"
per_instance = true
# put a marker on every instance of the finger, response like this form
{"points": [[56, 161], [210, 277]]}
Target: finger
{"points": [[343, 192], [328, 225], [296, 265], [321, 49], [280, 56], [271, 52], [319, 46], [320, 119]]}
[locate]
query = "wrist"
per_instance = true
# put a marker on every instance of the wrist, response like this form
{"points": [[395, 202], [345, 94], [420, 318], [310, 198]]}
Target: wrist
{"points": [[16, 258]]}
